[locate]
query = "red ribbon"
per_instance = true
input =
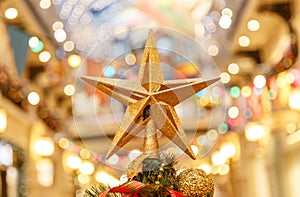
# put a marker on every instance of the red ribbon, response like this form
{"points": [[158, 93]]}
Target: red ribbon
{"points": [[132, 188]]}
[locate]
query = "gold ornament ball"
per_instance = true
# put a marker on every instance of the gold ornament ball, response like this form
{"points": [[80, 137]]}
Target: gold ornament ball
{"points": [[195, 183]]}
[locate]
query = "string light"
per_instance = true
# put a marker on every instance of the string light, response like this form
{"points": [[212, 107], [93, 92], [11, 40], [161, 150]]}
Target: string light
{"points": [[195, 149], [60, 35], [225, 22], [44, 146], [246, 91], [69, 89], [73, 162], [74, 60], [83, 178], [33, 98], [87, 168], [57, 25], [233, 112], [205, 167], [69, 46], [254, 132], [225, 77], [259, 81], [45, 4], [44, 56], [227, 12], [228, 149], [294, 99], [3, 120], [130, 59], [218, 159], [253, 25], [223, 169], [213, 50], [11, 13], [233, 68], [235, 92], [244, 41]]}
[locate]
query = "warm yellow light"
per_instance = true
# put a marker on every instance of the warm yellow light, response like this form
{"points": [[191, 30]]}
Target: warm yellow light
{"points": [[259, 81], [228, 149], [213, 50], [73, 162], [45, 4], [246, 91], [293, 138], [11, 13], [44, 56], [69, 46], [33, 98], [130, 59], [254, 132], [3, 120], [64, 143], [33, 42], [87, 168], [253, 25], [83, 179], [294, 100], [225, 22], [225, 77], [60, 35], [233, 68], [74, 60], [244, 41], [45, 172], [233, 112], [227, 12], [44, 146], [195, 149], [218, 159], [103, 177], [205, 167], [223, 169], [57, 25], [69, 89], [85, 154]]}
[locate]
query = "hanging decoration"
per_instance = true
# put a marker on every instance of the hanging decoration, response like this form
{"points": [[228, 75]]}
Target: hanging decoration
{"points": [[150, 104]]}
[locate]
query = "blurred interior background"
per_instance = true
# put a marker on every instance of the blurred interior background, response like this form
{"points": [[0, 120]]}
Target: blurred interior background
{"points": [[55, 130]]}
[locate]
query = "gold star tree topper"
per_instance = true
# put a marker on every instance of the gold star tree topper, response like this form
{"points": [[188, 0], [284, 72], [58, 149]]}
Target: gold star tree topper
{"points": [[150, 102]]}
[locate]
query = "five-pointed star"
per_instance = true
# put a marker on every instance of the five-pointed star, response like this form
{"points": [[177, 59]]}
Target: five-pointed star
{"points": [[150, 97]]}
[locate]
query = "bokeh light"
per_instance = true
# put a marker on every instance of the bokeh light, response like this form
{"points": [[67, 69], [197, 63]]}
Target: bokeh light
{"points": [[33, 98], [246, 91], [44, 56], [69, 89], [45, 4], [233, 112], [253, 25], [235, 92], [225, 77], [11, 13], [233, 68], [74, 60], [244, 41], [259, 81]]}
